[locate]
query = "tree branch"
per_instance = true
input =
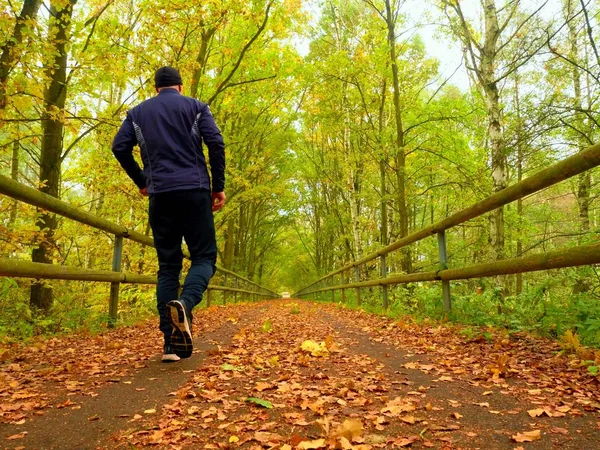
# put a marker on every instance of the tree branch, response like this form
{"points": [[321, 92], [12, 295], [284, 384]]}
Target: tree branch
{"points": [[223, 85]]}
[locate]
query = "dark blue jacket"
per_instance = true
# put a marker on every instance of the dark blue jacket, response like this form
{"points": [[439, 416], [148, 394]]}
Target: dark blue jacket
{"points": [[170, 128]]}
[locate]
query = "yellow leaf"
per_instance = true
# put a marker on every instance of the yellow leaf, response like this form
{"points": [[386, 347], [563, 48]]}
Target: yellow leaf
{"points": [[538, 412], [397, 406], [315, 349], [350, 429], [233, 439], [150, 411], [306, 445], [527, 436]]}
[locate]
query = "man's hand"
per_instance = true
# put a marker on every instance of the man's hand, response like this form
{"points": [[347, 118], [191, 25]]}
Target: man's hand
{"points": [[144, 192], [218, 200]]}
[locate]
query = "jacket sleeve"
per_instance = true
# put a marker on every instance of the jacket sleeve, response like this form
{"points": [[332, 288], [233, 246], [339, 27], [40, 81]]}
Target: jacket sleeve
{"points": [[122, 148], [211, 135]]}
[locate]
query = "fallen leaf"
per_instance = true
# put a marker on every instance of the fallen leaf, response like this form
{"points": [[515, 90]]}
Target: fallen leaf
{"points": [[314, 348], [350, 429], [538, 412], [257, 401], [405, 442], [265, 437], [528, 436], [262, 386], [17, 436], [408, 419], [306, 445]]}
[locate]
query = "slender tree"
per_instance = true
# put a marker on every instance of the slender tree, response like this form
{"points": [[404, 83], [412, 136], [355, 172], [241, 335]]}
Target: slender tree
{"points": [[55, 95]]}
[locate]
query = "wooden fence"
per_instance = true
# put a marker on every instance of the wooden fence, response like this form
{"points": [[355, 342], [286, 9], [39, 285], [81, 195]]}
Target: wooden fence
{"points": [[19, 268], [576, 256]]}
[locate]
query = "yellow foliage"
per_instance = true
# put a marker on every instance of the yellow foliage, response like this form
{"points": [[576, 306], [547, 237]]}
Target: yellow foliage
{"points": [[314, 348], [570, 342]]}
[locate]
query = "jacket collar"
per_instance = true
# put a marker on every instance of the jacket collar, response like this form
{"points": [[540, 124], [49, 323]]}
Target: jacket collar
{"points": [[169, 91]]}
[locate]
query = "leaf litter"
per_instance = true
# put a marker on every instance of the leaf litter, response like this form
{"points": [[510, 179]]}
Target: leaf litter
{"points": [[333, 394], [327, 394]]}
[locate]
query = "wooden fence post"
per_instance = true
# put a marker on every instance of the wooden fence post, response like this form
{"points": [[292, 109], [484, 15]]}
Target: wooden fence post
{"points": [[357, 280], [383, 275], [113, 307], [443, 266]]}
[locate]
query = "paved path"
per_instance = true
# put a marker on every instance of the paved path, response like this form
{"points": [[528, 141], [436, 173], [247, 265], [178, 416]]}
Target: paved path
{"points": [[362, 382]]}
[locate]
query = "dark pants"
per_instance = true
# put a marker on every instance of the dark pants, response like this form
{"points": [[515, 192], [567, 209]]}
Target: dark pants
{"points": [[173, 216]]}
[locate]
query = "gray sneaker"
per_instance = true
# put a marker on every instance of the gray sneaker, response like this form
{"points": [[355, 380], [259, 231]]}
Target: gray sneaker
{"points": [[181, 337]]}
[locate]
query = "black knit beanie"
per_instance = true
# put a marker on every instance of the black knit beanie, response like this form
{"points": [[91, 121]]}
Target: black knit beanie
{"points": [[166, 76]]}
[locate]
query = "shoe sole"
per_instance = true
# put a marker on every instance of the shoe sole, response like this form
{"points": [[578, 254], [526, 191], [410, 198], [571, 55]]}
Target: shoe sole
{"points": [[181, 338], [170, 358]]}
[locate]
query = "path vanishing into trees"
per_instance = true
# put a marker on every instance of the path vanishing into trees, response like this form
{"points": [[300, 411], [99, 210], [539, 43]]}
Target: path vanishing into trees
{"points": [[292, 374]]}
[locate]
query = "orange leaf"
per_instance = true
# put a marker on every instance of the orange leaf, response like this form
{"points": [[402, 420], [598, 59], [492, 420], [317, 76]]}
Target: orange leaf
{"points": [[17, 436], [405, 442], [262, 386], [538, 412], [527, 436], [306, 445]]}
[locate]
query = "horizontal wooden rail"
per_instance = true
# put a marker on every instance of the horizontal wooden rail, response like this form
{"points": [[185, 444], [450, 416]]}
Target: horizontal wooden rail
{"points": [[39, 199], [27, 269], [576, 256], [569, 167]]}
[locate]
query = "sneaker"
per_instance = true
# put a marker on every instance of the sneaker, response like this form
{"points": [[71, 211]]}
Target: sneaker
{"points": [[181, 338], [169, 355]]}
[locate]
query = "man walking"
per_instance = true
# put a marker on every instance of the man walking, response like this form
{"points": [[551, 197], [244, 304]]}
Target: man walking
{"points": [[169, 129]]}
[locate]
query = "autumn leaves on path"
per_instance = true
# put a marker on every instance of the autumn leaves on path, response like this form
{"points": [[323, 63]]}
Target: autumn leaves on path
{"points": [[293, 375]]}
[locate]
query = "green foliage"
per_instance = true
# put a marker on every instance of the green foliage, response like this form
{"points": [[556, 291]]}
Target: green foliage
{"points": [[257, 401], [267, 327]]}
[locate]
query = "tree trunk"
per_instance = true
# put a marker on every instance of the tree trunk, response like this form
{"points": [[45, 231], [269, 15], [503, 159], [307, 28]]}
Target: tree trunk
{"points": [[55, 95], [584, 180], [229, 239], [251, 259], [400, 157], [14, 174], [384, 218], [519, 276], [494, 114], [9, 54], [201, 60]]}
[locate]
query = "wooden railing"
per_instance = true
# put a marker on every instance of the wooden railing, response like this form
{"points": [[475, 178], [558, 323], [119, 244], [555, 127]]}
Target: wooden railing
{"points": [[575, 256], [19, 268]]}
